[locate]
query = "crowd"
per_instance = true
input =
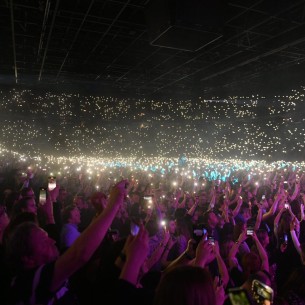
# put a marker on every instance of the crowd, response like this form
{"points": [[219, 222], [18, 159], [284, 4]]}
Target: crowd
{"points": [[153, 237], [42, 122]]}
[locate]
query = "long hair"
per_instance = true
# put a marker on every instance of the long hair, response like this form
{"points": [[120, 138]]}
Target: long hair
{"points": [[19, 207], [295, 283], [19, 244], [284, 225], [185, 285]]}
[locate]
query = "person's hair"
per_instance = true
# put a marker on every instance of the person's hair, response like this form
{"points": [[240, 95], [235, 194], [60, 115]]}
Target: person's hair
{"points": [[19, 219], [10, 201], [205, 216], [295, 283], [19, 206], [295, 208], [152, 226], [244, 207], [24, 192], [237, 230], [180, 213], [183, 228], [284, 224], [19, 244], [223, 249], [251, 263], [185, 285], [66, 213]]}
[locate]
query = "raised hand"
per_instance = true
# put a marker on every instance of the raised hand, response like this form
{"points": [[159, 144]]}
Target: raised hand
{"points": [[204, 253]]}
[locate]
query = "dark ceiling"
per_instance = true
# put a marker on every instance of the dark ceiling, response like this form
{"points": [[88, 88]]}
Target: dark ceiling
{"points": [[154, 48]]}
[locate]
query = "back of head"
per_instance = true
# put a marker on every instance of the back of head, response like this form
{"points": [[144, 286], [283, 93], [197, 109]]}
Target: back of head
{"points": [[19, 244], [19, 206], [66, 213], [185, 285], [251, 263], [152, 227]]}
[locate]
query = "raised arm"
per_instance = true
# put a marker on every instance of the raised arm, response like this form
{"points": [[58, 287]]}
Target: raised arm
{"points": [[258, 218], [86, 244], [277, 220], [157, 254], [296, 191], [192, 210], [184, 258], [169, 245], [262, 253], [223, 271], [273, 208], [136, 252], [239, 203], [232, 254], [294, 237]]}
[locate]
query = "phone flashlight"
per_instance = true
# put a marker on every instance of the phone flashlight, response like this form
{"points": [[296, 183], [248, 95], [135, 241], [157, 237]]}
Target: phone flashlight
{"points": [[250, 231], [42, 196], [211, 240]]}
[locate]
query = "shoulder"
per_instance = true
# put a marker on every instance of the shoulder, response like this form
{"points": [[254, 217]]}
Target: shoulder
{"points": [[37, 279]]}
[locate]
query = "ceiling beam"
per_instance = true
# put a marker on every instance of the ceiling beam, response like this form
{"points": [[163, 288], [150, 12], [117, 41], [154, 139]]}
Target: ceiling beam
{"points": [[13, 39], [49, 39]]}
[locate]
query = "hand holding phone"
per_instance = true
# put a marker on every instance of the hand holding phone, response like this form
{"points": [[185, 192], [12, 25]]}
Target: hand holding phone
{"points": [[42, 196], [262, 292], [134, 228], [211, 240]]}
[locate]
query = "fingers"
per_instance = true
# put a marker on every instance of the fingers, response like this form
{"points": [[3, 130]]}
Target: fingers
{"points": [[191, 242], [143, 234]]}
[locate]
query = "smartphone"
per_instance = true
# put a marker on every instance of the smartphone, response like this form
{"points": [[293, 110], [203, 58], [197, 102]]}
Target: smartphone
{"points": [[42, 196], [211, 240], [134, 229], [285, 239], [239, 296], [262, 292], [199, 232], [250, 231], [263, 197], [286, 206]]}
